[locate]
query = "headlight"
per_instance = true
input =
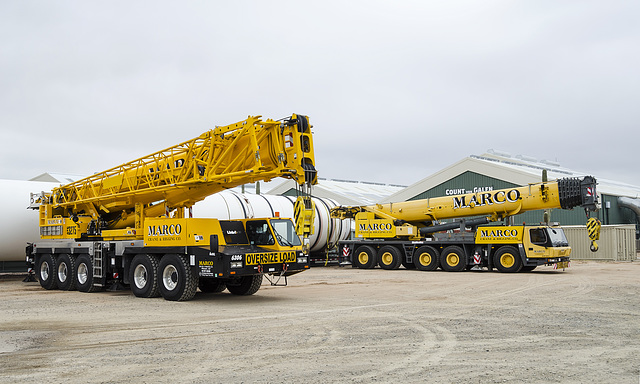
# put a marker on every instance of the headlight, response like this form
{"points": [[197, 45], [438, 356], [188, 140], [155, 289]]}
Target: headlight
{"points": [[236, 264], [302, 260]]}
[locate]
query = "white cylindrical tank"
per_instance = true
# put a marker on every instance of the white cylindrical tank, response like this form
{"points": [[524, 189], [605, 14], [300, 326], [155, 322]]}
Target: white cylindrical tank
{"points": [[19, 225], [232, 205]]}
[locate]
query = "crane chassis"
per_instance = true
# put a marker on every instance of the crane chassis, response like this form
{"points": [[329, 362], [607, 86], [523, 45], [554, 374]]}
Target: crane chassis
{"points": [[413, 233], [132, 225]]}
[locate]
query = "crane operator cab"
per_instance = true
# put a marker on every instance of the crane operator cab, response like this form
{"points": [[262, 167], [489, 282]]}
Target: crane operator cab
{"points": [[265, 232], [259, 233]]}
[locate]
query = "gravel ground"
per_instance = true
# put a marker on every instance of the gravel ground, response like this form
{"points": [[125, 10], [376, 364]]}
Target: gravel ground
{"points": [[337, 325]]}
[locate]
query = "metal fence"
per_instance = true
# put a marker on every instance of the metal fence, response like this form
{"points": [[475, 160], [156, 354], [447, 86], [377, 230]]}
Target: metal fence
{"points": [[617, 243]]}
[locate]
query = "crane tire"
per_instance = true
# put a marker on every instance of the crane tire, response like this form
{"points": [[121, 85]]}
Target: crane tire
{"points": [[507, 259], [453, 259], [245, 285], [389, 257], [143, 275], [211, 286], [66, 272], [46, 271], [365, 257], [176, 280], [426, 258], [84, 274]]}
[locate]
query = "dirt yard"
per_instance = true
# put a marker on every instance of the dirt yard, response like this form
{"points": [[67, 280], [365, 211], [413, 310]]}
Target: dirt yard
{"points": [[337, 325]]}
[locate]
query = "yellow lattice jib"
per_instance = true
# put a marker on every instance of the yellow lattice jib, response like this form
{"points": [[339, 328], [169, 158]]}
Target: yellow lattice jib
{"points": [[179, 176]]}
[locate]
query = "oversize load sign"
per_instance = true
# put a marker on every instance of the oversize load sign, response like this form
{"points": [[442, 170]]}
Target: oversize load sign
{"points": [[270, 258]]}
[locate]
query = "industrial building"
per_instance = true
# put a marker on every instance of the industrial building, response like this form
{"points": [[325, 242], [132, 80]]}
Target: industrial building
{"points": [[480, 173], [620, 211], [496, 170], [344, 192]]}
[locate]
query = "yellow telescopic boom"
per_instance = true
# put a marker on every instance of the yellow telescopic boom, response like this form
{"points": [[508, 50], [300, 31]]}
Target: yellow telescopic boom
{"points": [[409, 217], [564, 193]]}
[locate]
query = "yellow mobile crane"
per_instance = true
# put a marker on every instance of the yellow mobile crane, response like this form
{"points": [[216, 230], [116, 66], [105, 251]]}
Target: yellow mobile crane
{"points": [[132, 224], [410, 233]]}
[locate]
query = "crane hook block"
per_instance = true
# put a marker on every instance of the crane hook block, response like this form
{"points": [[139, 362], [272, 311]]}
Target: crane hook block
{"points": [[593, 228], [304, 214]]}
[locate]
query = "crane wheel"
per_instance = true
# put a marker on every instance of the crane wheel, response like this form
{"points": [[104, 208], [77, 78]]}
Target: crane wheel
{"points": [[84, 274], [46, 272], [507, 259], [364, 257], [66, 273], [211, 286], [389, 257], [143, 275], [245, 285], [453, 259], [177, 282], [426, 258]]}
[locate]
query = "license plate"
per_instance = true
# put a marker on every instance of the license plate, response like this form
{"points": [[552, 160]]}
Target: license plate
{"points": [[563, 265]]}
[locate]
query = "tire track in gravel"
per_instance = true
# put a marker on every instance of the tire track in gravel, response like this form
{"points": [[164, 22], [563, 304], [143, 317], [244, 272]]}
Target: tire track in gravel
{"points": [[436, 343], [325, 341], [179, 331]]}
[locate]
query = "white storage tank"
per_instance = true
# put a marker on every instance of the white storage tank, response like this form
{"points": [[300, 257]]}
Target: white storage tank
{"points": [[19, 225], [232, 205]]}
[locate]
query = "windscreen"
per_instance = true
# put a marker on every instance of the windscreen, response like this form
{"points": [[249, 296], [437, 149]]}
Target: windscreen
{"points": [[285, 232], [557, 237]]}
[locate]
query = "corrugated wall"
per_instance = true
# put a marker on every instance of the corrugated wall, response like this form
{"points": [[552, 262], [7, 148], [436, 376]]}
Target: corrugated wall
{"points": [[617, 243], [468, 181]]}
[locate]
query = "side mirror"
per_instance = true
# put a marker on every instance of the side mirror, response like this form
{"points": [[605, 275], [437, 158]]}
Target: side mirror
{"points": [[213, 243]]}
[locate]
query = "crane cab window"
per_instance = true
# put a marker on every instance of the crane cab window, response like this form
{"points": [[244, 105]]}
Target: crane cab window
{"points": [[538, 236], [548, 237], [259, 233]]}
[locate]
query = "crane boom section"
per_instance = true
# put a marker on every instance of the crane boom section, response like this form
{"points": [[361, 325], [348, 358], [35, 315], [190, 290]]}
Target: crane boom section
{"points": [[179, 176], [564, 193]]}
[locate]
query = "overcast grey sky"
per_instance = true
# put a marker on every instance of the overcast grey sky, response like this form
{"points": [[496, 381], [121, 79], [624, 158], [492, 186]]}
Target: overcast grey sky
{"points": [[395, 90]]}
